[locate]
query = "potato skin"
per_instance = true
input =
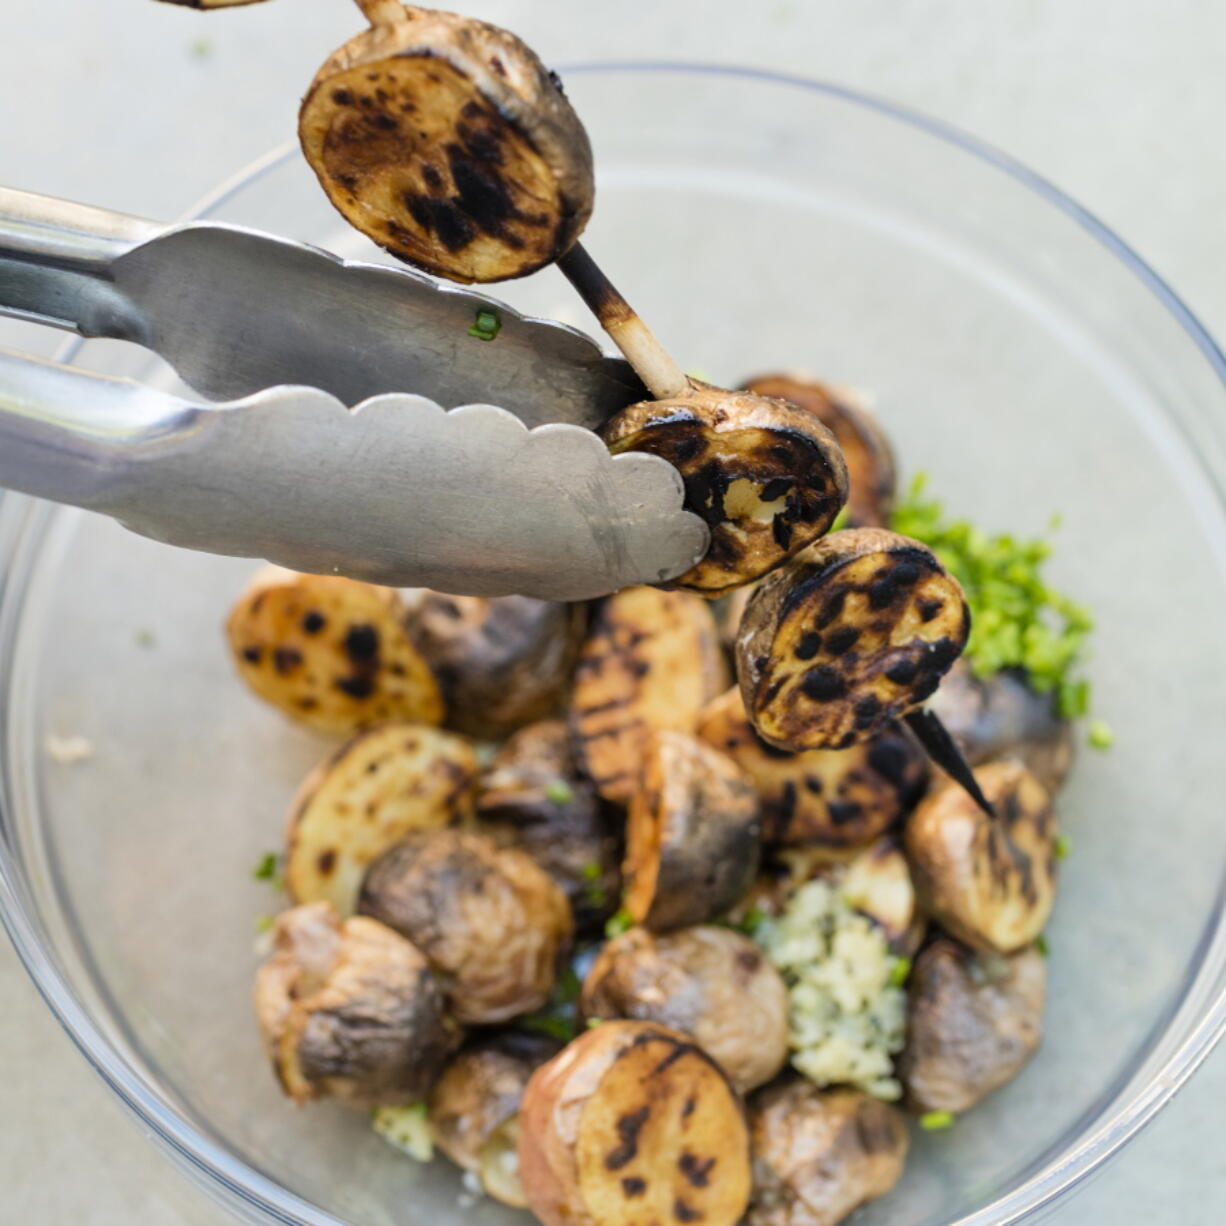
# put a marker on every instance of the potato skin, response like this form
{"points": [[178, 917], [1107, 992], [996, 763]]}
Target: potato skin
{"points": [[502, 662], [651, 661], [708, 982], [446, 141], [972, 1024], [693, 837], [835, 797], [737, 454], [990, 883], [820, 1154], [330, 652], [872, 473], [492, 924], [847, 637]]}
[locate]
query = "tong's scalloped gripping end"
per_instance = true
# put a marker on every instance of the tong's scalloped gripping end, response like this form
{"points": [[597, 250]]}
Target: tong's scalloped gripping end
{"points": [[400, 492]]}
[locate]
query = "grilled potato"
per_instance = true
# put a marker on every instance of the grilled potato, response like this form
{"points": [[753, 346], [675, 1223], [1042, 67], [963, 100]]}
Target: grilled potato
{"points": [[973, 1020], [1001, 717], [728, 612], [492, 924], [820, 1154], [447, 142], [871, 470], [989, 882], [767, 477], [693, 836], [878, 884], [532, 797], [652, 661], [836, 797], [709, 982], [330, 652], [630, 1124], [502, 662], [851, 634], [350, 1010], [368, 795]]}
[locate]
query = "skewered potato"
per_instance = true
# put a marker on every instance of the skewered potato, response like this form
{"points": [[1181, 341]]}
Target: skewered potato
{"points": [[711, 983], [870, 461], [820, 1154], [632, 1123], [877, 883], [474, 1109], [693, 835], [652, 661], [502, 662], [973, 1020], [492, 923], [373, 791], [533, 797], [447, 142], [848, 636], [350, 1010], [767, 477], [330, 652], [989, 882], [837, 797], [1002, 717]]}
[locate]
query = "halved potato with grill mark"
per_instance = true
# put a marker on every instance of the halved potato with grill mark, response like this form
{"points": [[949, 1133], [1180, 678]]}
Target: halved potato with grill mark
{"points": [[837, 797], [373, 791], [767, 477], [990, 882], [633, 1124], [878, 884], [446, 141], [870, 460], [652, 661], [693, 836], [853, 633], [330, 652]]}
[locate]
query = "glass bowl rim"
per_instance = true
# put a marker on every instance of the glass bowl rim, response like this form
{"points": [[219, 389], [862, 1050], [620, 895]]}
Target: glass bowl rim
{"points": [[217, 1169]]}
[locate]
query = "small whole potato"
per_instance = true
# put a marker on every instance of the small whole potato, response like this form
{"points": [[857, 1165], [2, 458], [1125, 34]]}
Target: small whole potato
{"points": [[973, 1021], [350, 1011], [711, 983], [693, 836], [990, 882], [820, 1154], [491, 922], [502, 661], [633, 1123], [848, 636]]}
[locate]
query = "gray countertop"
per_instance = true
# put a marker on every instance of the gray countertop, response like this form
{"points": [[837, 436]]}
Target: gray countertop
{"points": [[144, 107]]}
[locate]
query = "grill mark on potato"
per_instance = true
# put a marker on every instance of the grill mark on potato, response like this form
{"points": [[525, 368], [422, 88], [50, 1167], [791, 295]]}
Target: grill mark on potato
{"points": [[697, 1170], [628, 1128], [684, 1213], [634, 1186], [286, 659]]}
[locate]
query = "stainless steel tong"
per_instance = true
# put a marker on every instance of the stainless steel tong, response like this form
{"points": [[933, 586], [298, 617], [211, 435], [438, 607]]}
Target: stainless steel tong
{"points": [[352, 419]]}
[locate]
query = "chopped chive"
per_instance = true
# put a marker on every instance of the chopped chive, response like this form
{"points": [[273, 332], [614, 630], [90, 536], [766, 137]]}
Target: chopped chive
{"points": [[548, 1023], [596, 896], [487, 325], [590, 871], [145, 637], [936, 1121], [623, 921], [840, 520], [753, 920], [593, 1022], [1040, 943], [1100, 735], [899, 972], [1062, 845], [558, 791], [266, 869], [417, 1109], [263, 923]]}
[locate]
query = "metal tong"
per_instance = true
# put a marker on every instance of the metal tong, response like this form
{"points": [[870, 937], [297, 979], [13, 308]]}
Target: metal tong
{"points": [[345, 423]]}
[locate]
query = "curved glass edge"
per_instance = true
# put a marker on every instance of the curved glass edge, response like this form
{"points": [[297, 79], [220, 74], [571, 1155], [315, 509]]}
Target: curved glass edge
{"points": [[1052, 1181]]}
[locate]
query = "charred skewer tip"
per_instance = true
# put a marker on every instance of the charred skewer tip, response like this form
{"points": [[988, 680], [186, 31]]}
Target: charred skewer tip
{"points": [[943, 750]]}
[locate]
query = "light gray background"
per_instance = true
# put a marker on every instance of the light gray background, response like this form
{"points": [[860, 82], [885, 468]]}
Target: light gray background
{"points": [[144, 107]]}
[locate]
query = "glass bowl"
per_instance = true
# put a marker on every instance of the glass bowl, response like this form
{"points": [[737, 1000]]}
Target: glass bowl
{"points": [[1017, 351]]}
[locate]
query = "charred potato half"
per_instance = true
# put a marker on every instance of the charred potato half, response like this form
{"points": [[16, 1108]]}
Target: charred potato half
{"points": [[989, 882], [447, 142], [350, 1010], [820, 1154], [492, 924], [848, 636], [711, 983], [502, 662], [693, 836], [871, 471], [877, 883], [767, 477], [973, 1021], [533, 797], [632, 1124], [373, 791], [652, 661], [836, 797], [330, 652]]}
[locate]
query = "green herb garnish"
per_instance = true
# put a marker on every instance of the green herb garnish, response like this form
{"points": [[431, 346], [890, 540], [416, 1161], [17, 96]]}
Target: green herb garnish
{"points": [[899, 972], [593, 1022], [623, 921], [487, 325], [1040, 943], [554, 1025], [558, 791], [266, 869], [754, 919], [840, 520], [936, 1121], [263, 923], [590, 871], [1062, 845], [1100, 735]]}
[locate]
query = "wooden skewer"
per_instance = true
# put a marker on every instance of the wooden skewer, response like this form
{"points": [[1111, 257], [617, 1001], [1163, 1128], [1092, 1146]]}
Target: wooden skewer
{"points": [[943, 750]]}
